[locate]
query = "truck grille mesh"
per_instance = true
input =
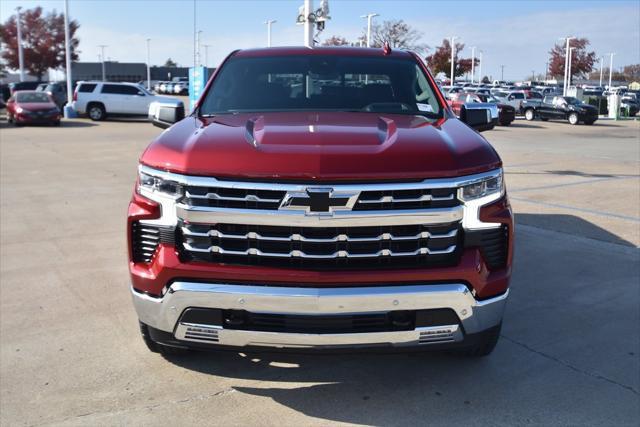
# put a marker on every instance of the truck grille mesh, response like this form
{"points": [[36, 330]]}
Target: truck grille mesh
{"points": [[322, 248]]}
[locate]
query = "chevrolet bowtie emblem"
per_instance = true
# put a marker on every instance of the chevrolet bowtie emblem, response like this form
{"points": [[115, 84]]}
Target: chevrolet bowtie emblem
{"points": [[319, 200]]}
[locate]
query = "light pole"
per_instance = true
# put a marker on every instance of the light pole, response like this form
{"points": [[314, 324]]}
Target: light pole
{"points": [[308, 25], [198, 54], [148, 65], [104, 74], [571, 49], [269, 23], [480, 69], [206, 55], [473, 63], [610, 68], [502, 73], [453, 55], [566, 66], [601, 62], [369, 17], [68, 110], [20, 54], [546, 70]]}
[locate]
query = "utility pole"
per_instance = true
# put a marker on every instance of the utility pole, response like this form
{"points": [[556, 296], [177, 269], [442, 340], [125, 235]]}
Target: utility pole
{"points": [[453, 55], [502, 73], [308, 25], [610, 68], [601, 63], [68, 110], [369, 17], [473, 63], [104, 74], [198, 54], [206, 55], [269, 23], [148, 65], [566, 66], [571, 49], [20, 54]]}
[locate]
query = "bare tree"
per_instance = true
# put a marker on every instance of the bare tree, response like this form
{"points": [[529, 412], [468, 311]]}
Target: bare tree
{"points": [[399, 34], [336, 41]]}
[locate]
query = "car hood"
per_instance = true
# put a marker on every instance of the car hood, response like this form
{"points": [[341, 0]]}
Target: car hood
{"points": [[35, 106], [321, 146]]}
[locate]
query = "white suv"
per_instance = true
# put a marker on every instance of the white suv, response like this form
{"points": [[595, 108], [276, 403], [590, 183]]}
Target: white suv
{"points": [[99, 99]]}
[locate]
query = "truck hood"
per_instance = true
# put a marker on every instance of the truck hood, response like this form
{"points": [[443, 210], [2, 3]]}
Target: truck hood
{"points": [[321, 147]]}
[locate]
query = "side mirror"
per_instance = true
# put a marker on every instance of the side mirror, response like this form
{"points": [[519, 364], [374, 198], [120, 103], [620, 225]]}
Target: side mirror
{"points": [[163, 114], [479, 119]]}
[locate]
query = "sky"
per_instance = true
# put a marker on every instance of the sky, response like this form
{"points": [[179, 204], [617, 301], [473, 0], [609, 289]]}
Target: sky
{"points": [[516, 34]]}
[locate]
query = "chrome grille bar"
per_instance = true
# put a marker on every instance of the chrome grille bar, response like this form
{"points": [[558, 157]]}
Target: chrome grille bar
{"points": [[423, 198], [337, 254], [296, 237], [247, 198]]}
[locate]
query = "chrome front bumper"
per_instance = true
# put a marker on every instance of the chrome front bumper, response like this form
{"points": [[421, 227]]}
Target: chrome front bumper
{"points": [[164, 313]]}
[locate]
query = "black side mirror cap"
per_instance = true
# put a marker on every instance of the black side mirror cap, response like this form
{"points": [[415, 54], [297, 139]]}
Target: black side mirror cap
{"points": [[479, 119], [164, 114]]}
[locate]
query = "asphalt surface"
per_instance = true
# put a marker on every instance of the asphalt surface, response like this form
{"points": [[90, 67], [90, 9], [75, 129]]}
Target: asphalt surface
{"points": [[70, 351]]}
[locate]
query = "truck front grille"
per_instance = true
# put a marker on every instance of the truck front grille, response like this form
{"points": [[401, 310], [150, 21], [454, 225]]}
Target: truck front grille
{"points": [[257, 198], [322, 247]]}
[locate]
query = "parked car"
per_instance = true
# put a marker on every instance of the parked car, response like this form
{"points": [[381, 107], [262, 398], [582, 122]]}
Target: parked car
{"points": [[57, 90], [630, 104], [14, 87], [101, 99], [563, 108], [181, 88], [513, 98], [31, 107], [355, 215]]}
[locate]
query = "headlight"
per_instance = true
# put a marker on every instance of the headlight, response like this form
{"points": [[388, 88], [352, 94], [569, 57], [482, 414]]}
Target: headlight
{"points": [[486, 187], [20, 110], [160, 185]]}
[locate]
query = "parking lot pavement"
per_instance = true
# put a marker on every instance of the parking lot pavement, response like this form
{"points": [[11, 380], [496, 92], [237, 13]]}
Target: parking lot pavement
{"points": [[70, 351]]}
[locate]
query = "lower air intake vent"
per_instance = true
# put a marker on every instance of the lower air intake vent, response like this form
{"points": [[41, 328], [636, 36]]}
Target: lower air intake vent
{"points": [[493, 244], [146, 238], [439, 334], [201, 333]]}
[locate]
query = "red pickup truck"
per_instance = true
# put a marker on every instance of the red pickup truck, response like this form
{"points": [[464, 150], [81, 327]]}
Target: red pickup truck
{"points": [[320, 198]]}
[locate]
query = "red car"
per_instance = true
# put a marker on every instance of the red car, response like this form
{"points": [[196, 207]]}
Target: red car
{"points": [[320, 198], [30, 107]]}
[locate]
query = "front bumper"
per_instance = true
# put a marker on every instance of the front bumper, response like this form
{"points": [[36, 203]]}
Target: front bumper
{"points": [[163, 313]]}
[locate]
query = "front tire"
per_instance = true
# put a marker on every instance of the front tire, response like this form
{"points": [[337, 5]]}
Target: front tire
{"points": [[573, 119], [529, 115]]}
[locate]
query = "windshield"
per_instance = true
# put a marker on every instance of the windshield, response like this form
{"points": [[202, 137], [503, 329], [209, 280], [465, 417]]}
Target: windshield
{"points": [[32, 97], [321, 83], [572, 101]]}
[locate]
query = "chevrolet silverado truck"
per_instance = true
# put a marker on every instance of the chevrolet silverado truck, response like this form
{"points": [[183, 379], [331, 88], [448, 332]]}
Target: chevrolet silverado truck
{"points": [[323, 198]]}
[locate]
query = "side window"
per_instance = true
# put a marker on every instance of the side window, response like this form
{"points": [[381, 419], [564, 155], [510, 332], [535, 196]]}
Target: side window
{"points": [[119, 89], [86, 87], [519, 95]]}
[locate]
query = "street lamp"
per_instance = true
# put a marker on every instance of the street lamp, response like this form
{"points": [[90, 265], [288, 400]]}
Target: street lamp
{"points": [[369, 17], [148, 65], [198, 54], [480, 69], [453, 55], [68, 109], [20, 54], [610, 68], [473, 63], [104, 74], [502, 73], [566, 65], [571, 49], [601, 63], [269, 22]]}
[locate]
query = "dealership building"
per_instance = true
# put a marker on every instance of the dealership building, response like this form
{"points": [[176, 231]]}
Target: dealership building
{"points": [[125, 71]]}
